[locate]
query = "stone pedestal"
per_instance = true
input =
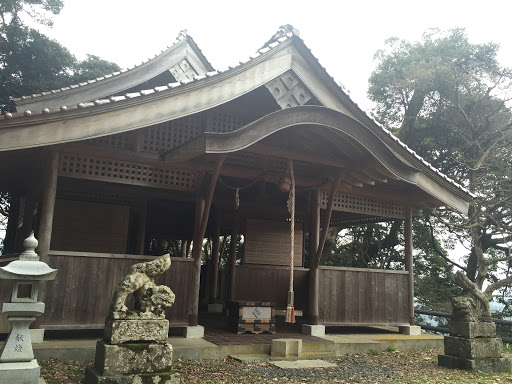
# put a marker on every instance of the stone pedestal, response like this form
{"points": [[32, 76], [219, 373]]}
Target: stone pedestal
{"points": [[20, 372], [410, 330], [193, 332], [473, 346], [133, 351], [135, 348], [286, 347], [313, 330], [122, 331]]}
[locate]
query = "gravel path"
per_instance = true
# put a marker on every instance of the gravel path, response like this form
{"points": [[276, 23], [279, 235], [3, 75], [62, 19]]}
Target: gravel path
{"points": [[418, 367]]}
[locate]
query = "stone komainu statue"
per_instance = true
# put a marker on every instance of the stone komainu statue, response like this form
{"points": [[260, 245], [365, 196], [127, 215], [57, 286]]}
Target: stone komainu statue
{"points": [[472, 305], [150, 299]]}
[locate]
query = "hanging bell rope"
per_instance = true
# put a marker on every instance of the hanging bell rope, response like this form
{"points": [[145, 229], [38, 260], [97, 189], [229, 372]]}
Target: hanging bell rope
{"points": [[290, 310]]}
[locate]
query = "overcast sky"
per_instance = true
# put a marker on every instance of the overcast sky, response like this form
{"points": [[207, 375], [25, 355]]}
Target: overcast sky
{"points": [[342, 35]]}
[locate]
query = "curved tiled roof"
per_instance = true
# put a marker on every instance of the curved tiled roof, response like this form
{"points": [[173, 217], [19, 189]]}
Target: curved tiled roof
{"points": [[381, 131], [137, 75]]}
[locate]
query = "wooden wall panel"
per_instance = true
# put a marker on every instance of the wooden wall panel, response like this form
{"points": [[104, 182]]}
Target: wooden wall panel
{"points": [[90, 227], [268, 242], [266, 283], [81, 293], [352, 296]]}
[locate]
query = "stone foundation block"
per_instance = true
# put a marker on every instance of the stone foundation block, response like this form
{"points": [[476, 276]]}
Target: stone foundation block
{"points": [[483, 365], [313, 330], [93, 377], [26, 372], [193, 332], [411, 330], [483, 347], [286, 347], [122, 331], [36, 335], [472, 330], [134, 358]]}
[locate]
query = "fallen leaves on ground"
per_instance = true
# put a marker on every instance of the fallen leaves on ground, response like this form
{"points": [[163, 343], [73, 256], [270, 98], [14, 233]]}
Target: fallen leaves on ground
{"points": [[415, 367]]}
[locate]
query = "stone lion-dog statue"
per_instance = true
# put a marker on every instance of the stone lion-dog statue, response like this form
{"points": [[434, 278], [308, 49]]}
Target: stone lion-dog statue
{"points": [[150, 299]]}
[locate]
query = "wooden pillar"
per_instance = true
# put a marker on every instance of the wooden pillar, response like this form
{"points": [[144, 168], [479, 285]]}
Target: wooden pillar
{"points": [[232, 258], [142, 209], [409, 264], [315, 259], [198, 240], [48, 206], [184, 248], [26, 204], [314, 237], [215, 258]]}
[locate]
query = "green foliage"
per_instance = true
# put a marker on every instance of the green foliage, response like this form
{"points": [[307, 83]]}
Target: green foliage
{"points": [[366, 246], [375, 352], [447, 99], [30, 62], [391, 348]]}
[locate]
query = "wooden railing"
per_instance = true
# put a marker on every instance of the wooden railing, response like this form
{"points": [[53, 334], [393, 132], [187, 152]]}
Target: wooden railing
{"points": [[81, 293]]}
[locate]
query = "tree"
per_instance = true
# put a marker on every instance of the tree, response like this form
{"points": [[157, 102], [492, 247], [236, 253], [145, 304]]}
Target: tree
{"points": [[447, 99], [32, 63]]}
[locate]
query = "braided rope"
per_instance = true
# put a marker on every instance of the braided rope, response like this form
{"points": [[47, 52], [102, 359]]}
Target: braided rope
{"points": [[292, 221], [290, 310]]}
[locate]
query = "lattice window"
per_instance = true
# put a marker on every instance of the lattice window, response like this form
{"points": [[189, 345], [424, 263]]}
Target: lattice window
{"points": [[365, 205], [169, 135], [119, 141], [126, 172], [225, 122]]}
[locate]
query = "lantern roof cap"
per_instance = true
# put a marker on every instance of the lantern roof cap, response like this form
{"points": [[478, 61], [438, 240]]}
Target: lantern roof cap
{"points": [[28, 267]]}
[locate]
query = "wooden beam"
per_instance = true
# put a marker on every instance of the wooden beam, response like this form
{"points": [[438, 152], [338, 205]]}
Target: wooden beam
{"points": [[371, 172], [198, 239], [352, 181], [330, 204], [362, 178], [409, 265], [281, 153], [48, 206]]}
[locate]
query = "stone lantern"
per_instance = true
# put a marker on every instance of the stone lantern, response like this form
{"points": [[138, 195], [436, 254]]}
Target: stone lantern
{"points": [[17, 363]]}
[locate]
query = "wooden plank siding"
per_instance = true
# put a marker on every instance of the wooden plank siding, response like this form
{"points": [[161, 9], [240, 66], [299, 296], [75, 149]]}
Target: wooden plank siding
{"points": [[81, 293], [271, 283], [356, 296]]}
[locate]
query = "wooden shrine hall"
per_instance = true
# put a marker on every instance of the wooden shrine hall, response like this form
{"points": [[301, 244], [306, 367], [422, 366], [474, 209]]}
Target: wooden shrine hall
{"points": [[109, 171]]}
